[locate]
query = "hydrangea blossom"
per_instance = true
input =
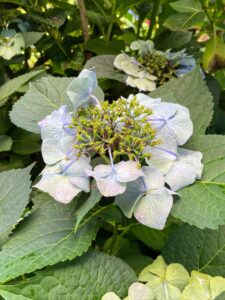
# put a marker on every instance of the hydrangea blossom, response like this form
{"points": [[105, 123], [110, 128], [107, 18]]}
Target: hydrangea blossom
{"points": [[139, 140], [11, 43], [148, 68]]}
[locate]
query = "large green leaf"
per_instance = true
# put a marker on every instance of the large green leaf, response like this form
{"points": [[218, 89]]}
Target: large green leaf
{"points": [[153, 238], [88, 277], [103, 66], [14, 195], [196, 249], [184, 6], [191, 91], [86, 204], [5, 143], [42, 97], [13, 85], [44, 238], [203, 203], [184, 21]]}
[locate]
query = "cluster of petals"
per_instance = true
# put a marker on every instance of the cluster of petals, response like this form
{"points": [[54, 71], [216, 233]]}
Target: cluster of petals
{"points": [[138, 76], [145, 192]]}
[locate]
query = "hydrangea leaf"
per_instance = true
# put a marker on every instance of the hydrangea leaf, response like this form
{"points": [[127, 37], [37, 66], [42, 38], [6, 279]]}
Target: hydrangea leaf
{"points": [[43, 97], [5, 143], [86, 204], [203, 287], [88, 277], [202, 204], [14, 84], [184, 21], [104, 68], [44, 238], [14, 196], [190, 91], [184, 6], [197, 249]]}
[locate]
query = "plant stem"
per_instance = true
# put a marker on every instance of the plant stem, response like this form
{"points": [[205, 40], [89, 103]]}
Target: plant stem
{"points": [[84, 20], [109, 31], [153, 19]]}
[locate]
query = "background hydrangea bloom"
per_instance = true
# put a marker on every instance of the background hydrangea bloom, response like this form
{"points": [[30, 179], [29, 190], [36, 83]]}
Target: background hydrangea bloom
{"points": [[149, 67]]}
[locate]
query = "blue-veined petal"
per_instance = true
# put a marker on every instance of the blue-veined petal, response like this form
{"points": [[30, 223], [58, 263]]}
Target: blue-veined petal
{"points": [[153, 178], [57, 185], [54, 150], [164, 154], [56, 125], [82, 88], [185, 169], [153, 209], [127, 201], [127, 171]]}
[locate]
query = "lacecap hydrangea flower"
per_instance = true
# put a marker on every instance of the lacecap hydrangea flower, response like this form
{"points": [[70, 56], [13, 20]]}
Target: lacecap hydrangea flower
{"points": [[11, 43], [148, 68], [138, 145]]}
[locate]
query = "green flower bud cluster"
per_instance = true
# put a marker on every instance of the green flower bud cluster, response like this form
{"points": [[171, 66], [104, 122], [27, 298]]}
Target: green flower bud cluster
{"points": [[120, 126], [159, 66]]}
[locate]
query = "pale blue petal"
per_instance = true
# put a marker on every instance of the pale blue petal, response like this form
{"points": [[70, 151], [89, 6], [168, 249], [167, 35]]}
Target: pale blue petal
{"points": [[127, 171], [164, 154], [193, 158], [185, 170], [82, 87], [127, 201], [146, 100], [163, 111], [181, 125], [54, 150], [153, 178], [58, 186], [76, 173], [56, 124], [153, 209], [109, 186]]}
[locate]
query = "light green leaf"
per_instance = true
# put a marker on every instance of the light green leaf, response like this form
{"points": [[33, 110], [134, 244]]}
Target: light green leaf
{"points": [[44, 238], [88, 277], [14, 195], [14, 84], [5, 143], [166, 282], [203, 287], [87, 203], [140, 291], [191, 91], [183, 6], [103, 66], [196, 249], [203, 203], [214, 54], [30, 38], [184, 21], [43, 96]]}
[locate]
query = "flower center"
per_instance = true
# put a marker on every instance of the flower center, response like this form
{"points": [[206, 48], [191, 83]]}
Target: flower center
{"points": [[159, 66], [120, 126]]}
